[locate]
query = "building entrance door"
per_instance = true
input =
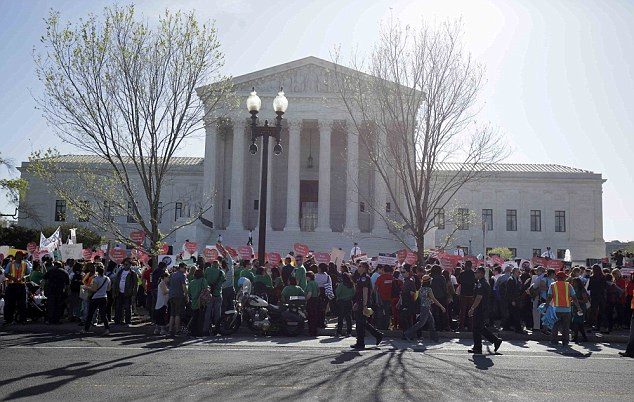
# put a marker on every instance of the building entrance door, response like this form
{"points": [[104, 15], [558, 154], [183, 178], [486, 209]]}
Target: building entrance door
{"points": [[308, 198]]}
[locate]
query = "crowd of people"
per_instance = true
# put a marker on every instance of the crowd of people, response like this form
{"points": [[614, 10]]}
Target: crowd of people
{"points": [[407, 298]]}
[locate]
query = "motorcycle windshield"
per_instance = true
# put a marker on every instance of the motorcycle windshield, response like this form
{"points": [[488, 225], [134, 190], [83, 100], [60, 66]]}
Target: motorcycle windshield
{"points": [[244, 286]]}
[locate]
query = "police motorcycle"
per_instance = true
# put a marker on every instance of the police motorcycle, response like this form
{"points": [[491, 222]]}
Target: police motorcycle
{"points": [[262, 317]]}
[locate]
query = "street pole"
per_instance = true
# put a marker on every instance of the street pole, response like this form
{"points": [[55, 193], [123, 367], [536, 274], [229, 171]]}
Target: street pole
{"points": [[263, 197]]}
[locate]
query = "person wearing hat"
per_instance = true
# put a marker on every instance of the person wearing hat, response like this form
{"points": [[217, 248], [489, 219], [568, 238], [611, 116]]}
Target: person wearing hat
{"points": [[561, 293], [426, 298], [479, 312]]}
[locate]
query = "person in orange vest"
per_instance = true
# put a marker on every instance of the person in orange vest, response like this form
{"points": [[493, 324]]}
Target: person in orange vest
{"points": [[562, 295], [16, 272], [629, 350]]}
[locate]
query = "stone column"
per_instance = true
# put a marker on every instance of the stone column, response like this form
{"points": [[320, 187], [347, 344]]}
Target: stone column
{"points": [[352, 181], [380, 188], [323, 206], [292, 192], [209, 173], [237, 175]]}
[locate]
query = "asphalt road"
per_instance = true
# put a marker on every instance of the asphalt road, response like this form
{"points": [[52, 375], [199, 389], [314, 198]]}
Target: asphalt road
{"points": [[137, 367]]}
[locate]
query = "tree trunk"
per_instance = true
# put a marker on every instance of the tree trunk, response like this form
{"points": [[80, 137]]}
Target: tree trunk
{"points": [[420, 244]]}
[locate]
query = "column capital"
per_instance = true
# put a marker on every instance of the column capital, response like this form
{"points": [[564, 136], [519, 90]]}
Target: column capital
{"points": [[294, 124]]}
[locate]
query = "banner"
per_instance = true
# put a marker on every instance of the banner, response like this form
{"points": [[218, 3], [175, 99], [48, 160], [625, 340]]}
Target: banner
{"points": [[118, 255], [557, 265], [53, 242], [137, 237], [337, 255], [169, 260], [245, 252], [301, 249], [539, 261], [496, 259], [387, 260], [448, 261], [275, 259], [190, 249], [322, 258], [72, 251]]}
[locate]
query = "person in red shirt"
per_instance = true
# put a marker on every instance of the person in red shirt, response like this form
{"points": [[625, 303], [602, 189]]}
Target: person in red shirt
{"points": [[383, 289], [397, 287]]}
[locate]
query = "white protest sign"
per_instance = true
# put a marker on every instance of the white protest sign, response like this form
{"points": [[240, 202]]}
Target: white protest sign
{"points": [[337, 255], [169, 260], [385, 260], [72, 251]]}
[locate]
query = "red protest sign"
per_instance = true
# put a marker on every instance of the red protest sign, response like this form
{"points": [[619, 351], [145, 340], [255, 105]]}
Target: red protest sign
{"points": [[245, 252], [411, 257], [275, 259], [301, 249], [496, 259], [322, 258], [232, 252], [401, 255], [31, 248], [137, 237], [474, 260], [537, 261], [87, 254], [266, 256], [191, 247], [210, 254], [39, 254], [118, 255], [555, 264]]}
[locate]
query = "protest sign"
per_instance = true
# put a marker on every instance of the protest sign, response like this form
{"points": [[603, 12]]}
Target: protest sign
{"points": [[245, 252], [275, 259], [401, 255], [190, 249], [137, 237], [322, 258], [411, 257], [118, 255], [496, 259], [337, 255], [87, 254], [210, 253], [539, 261], [387, 260], [557, 265], [301, 249], [4, 251], [31, 247], [232, 252], [72, 251], [169, 260]]}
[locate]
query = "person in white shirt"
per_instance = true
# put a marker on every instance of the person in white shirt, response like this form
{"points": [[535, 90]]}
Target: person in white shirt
{"points": [[548, 254], [356, 250], [459, 251]]}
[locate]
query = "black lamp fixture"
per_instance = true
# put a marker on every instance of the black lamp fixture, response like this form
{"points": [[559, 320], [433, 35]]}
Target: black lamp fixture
{"points": [[280, 104]]}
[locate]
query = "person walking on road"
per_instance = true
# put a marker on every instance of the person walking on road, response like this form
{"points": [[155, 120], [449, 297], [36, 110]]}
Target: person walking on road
{"points": [[361, 310], [99, 299], [426, 299], [479, 312]]}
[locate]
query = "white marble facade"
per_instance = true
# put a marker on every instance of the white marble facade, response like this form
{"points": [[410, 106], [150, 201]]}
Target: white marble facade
{"points": [[328, 204]]}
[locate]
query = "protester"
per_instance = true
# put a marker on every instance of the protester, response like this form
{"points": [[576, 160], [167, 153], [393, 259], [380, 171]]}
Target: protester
{"points": [[383, 298], [578, 320], [199, 323], [291, 290], [76, 278], [513, 298], [214, 278], [177, 298], [125, 289], [312, 304], [16, 273], [344, 296], [439, 288], [597, 288], [160, 307], [325, 289], [426, 298], [98, 299], [228, 291], [561, 293], [466, 281], [58, 281]]}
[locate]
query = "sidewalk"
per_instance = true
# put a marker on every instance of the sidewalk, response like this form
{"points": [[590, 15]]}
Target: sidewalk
{"points": [[141, 326]]}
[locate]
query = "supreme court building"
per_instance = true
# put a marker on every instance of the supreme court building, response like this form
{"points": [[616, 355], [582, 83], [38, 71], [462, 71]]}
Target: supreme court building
{"points": [[322, 187]]}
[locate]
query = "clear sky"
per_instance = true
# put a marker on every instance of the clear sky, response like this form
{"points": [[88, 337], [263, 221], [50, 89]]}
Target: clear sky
{"points": [[559, 72]]}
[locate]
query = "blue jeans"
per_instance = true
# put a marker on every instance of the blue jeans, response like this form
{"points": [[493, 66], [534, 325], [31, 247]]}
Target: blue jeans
{"points": [[215, 308], [424, 318]]}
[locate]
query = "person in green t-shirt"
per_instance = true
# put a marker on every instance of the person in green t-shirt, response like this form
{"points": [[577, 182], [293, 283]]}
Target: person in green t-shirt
{"points": [[300, 275], [36, 274], [215, 277], [262, 277], [237, 273], [291, 290], [312, 303], [248, 273], [195, 288], [344, 296]]}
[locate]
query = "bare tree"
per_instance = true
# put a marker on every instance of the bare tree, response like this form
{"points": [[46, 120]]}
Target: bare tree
{"points": [[413, 103], [124, 90]]}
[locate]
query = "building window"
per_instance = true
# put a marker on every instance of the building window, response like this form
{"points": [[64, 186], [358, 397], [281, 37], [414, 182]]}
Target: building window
{"points": [[463, 219], [362, 206], [513, 253], [256, 204], [388, 207], [439, 218], [130, 217], [487, 219], [84, 207], [560, 221], [537, 252], [159, 212], [536, 220], [511, 220], [229, 203], [107, 212], [60, 210], [561, 253]]}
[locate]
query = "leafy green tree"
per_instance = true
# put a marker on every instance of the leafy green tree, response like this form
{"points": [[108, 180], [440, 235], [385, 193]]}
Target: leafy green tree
{"points": [[503, 252], [123, 89], [18, 236]]}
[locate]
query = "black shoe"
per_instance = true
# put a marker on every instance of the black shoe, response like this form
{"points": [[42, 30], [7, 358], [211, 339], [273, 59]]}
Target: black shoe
{"points": [[625, 354], [497, 345], [379, 339], [475, 352], [359, 347]]}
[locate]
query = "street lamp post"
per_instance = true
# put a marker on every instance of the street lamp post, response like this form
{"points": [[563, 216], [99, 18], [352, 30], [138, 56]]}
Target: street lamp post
{"points": [[280, 104]]}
